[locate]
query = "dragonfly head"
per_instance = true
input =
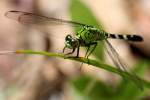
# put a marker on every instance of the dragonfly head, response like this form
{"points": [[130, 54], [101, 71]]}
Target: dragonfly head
{"points": [[71, 42]]}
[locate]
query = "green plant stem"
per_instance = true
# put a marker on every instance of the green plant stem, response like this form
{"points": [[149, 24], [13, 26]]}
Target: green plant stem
{"points": [[87, 61]]}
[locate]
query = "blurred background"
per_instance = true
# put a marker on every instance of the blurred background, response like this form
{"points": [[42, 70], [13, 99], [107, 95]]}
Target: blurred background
{"points": [[34, 77]]}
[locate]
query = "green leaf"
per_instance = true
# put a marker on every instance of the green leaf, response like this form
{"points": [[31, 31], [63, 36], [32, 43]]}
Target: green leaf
{"points": [[81, 13], [126, 90], [90, 62], [89, 88]]}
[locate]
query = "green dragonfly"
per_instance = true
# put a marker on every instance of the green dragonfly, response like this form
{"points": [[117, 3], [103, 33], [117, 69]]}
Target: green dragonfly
{"points": [[87, 36]]}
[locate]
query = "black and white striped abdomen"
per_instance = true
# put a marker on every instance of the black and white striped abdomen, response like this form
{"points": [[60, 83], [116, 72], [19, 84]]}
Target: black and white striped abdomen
{"points": [[125, 37]]}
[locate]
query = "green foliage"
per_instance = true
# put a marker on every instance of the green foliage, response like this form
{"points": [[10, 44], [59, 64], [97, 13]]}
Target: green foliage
{"points": [[128, 90], [125, 90], [81, 13], [90, 88], [98, 90], [87, 61], [102, 91], [83, 90]]}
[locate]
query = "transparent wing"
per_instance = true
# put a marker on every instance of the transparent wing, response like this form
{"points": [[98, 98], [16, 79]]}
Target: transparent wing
{"points": [[32, 18], [115, 56], [55, 28], [120, 64]]}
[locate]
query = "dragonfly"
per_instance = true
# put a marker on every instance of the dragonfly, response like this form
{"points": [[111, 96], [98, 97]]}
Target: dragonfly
{"points": [[87, 36]]}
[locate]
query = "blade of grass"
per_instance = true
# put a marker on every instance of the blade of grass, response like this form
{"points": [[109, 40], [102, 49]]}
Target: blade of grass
{"points": [[80, 12], [87, 61]]}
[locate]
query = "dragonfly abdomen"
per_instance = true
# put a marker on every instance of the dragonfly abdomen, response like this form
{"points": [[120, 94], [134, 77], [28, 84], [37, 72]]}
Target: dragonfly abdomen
{"points": [[125, 37]]}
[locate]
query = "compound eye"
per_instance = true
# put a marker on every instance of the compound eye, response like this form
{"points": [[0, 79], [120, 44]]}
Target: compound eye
{"points": [[68, 37]]}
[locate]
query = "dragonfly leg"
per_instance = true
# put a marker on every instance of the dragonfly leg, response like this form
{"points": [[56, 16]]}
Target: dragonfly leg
{"points": [[78, 50], [71, 51], [64, 49], [80, 68], [95, 44], [88, 48]]}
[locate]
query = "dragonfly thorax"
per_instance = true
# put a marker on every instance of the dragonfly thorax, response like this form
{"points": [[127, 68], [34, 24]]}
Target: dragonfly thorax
{"points": [[89, 34], [71, 42]]}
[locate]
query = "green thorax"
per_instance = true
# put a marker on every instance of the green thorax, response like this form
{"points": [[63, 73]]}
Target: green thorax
{"points": [[90, 34]]}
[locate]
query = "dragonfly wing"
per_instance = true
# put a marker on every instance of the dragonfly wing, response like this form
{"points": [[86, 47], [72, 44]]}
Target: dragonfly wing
{"points": [[43, 23], [32, 18], [121, 65], [115, 56]]}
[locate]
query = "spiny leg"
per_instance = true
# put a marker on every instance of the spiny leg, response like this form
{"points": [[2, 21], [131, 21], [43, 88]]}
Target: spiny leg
{"points": [[64, 49], [88, 52], [73, 50], [87, 56], [88, 48], [95, 45], [80, 68], [78, 51]]}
